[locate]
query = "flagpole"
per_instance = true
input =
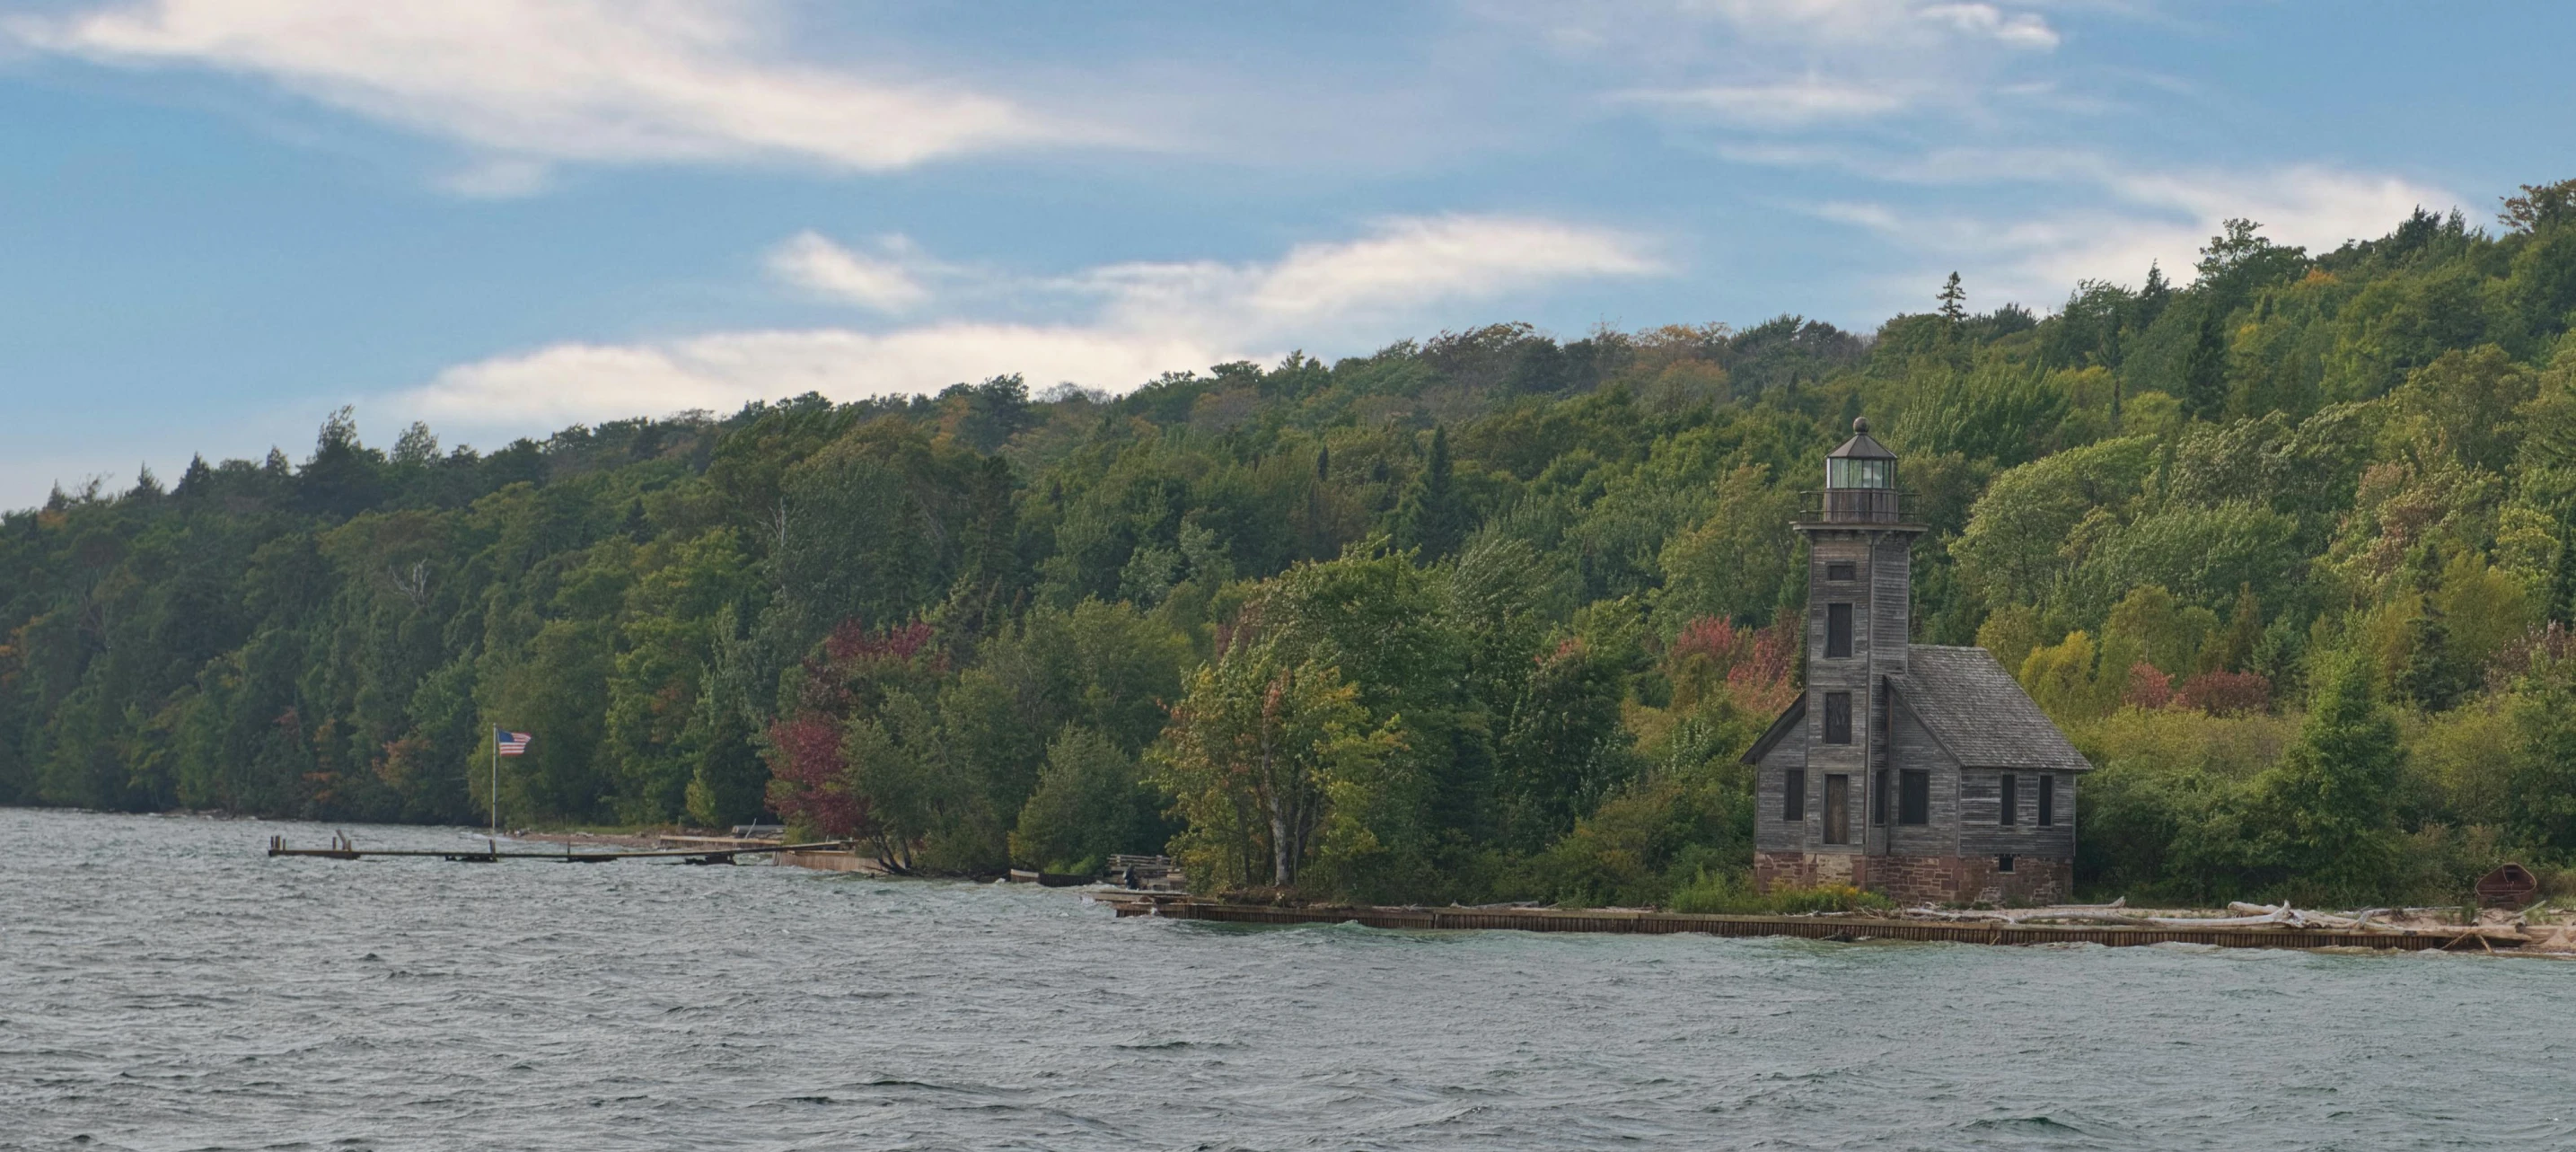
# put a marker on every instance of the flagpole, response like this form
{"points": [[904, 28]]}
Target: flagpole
{"points": [[496, 782]]}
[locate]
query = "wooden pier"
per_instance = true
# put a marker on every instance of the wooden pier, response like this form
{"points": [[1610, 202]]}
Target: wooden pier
{"points": [[1831, 927], [342, 848]]}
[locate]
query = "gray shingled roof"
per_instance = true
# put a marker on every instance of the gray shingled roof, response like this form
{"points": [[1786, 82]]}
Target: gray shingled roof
{"points": [[1979, 712]]}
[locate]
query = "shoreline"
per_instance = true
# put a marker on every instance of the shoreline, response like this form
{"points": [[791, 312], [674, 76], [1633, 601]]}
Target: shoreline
{"points": [[2496, 939]]}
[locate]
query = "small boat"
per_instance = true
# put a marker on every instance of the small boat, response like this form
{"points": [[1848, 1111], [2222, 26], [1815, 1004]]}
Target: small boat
{"points": [[2510, 886], [1021, 876]]}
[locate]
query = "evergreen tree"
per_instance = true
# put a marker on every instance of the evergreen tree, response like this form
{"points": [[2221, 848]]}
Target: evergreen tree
{"points": [[2153, 296], [2234, 649], [2540, 787], [2435, 677], [1433, 517], [1954, 301], [2325, 817], [2204, 369], [2436, 674]]}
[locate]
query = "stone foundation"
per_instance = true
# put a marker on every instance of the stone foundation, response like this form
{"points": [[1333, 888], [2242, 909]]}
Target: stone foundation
{"points": [[2033, 880], [1921, 879], [1809, 869]]}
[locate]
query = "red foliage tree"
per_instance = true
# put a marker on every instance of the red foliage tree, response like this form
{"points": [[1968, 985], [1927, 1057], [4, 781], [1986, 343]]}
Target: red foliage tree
{"points": [[808, 780], [2149, 687], [2226, 693], [1751, 667]]}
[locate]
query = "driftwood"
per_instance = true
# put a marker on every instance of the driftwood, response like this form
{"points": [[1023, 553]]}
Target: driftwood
{"points": [[2247, 916]]}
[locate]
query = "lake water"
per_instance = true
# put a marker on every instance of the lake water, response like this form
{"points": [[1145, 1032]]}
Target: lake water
{"points": [[165, 986]]}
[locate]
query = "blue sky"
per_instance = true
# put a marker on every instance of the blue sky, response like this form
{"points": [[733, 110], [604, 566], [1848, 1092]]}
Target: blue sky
{"points": [[221, 219]]}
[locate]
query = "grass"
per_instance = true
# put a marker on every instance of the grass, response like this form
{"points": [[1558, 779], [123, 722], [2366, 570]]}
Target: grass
{"points": [[1730, 894]]}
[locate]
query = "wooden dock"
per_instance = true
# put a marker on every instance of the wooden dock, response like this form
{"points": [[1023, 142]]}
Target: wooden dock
{"points": [[342, 848], [1836, 928]]}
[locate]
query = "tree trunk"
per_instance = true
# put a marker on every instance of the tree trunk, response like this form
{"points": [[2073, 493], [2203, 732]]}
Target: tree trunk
{"points": [[1283, 849]]}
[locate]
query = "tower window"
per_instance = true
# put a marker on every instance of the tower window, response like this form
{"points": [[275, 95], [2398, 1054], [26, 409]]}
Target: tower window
{"points": [[2047, 801], [2009, 811], [1837, 717], [1866, 472], [1838, 631], [1842, 570], [1793, 796], [1914, 796]]}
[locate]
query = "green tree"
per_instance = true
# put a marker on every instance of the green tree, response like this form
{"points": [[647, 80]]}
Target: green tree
{"points": [[1732, 564], [2540, 206], [1266, 761], [1434, 516], [2539, 790], [2324, 820], [2015, 549], [1954, 300], [1091, 802], [2233, 649]]}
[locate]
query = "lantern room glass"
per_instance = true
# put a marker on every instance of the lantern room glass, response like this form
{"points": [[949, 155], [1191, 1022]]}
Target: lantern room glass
{"points": [[1864, 472]]}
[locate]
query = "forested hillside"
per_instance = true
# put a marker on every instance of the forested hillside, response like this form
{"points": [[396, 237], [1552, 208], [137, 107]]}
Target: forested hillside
{"points": [[2287, 551]]}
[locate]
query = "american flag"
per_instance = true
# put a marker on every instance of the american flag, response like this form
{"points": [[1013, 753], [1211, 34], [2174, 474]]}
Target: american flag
{"points": [[511, 743]]}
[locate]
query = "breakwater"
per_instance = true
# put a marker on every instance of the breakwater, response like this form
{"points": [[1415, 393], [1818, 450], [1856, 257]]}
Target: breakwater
{"points": [[1830, 927]]}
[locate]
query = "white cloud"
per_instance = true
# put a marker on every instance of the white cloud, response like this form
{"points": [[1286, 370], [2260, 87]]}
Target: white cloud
{"points": [[1407, 264], [1780, 64], [2159, 217], [1790, 104], [2021, 30], [561, 80], [564, 383], [1839, 23], [1148, 318], [883, 283]]}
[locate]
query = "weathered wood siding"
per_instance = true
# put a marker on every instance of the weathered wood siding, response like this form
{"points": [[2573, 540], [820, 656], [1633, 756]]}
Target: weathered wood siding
{"points": [[1877, 593], [1770, 788], [1980, 806], [1913, 748], [1891, 601]]}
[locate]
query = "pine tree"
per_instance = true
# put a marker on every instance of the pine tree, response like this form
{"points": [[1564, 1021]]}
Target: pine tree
{"points": [[1433, 518], [193, 482], [2234, 650], [2325, 817], [1954, 300], [2435, 677], [2204, 371], [2152, 298]]}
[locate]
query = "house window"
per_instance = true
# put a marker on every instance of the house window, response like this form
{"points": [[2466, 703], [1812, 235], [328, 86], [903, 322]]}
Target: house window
{"points": [[1842, 570], [1914, 796], [1878, 798], [2003, 863], [1837, 631], [1837, 809], [2047, 801], [1837, 717], [1793, 796], [2009, 811]]}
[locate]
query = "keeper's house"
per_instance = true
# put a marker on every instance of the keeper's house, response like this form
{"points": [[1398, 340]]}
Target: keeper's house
{"points": [[1919, 770]]}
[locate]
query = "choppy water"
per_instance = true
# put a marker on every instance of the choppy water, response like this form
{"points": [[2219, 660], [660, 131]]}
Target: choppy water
{"points": [[163, 985]]}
